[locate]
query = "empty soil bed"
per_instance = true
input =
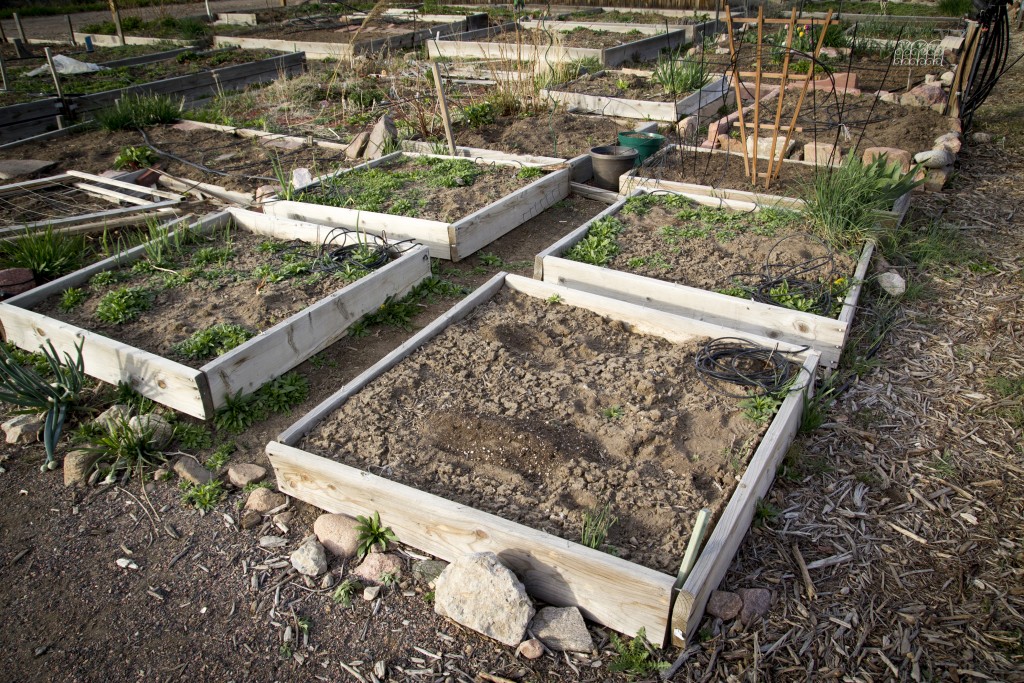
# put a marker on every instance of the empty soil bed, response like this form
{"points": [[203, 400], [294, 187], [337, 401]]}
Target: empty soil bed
{"points": [[670, 238], [577, 37], [556, 134], [231, 161], [439, 189], [726, 171], [539, 412], [626, 17], [323, 32], [622, 85], [244, 279]]}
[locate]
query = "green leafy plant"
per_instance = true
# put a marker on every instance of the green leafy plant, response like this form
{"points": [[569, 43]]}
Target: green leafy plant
{"points": [[554, 299], [760, 408], [220, 456], [71, 297], [55, 394], [284, 393], [134, 157], [129, 446], [678, 77], [213, 341], [281, 394], [239, 412], [633, 658], [596, 524], [370, 533], [612, 412], [490, 260], [192, 436], [345, 591], [46, 253], [123, 305], [764, 512], [477, 115], [138, 112], [104, 278], [202, 496], [600, 245]]}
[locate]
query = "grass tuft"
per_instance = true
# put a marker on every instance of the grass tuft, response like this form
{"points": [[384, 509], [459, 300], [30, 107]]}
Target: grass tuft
{"points": [[138, 112]]}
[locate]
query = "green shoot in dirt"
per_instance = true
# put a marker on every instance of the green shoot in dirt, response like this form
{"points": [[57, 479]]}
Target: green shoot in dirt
{"points": [[129, 446], [491, 260], [764, 512], [372, 533], [191, 436], [529, 173], [55, 394], [760, 408], [46, 253], [212, 342], [554, 299], [596, 524], [612, 412], [345, 591], [123, 305], [71, 297], [220, 456], [134, 158], [202, 497], [599, 246], [279, 395], [138, 112], [633, 658], [679, 77]]}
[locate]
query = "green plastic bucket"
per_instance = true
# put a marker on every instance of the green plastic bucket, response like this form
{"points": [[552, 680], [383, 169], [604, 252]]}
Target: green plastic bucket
{"points": [[645, 144]]}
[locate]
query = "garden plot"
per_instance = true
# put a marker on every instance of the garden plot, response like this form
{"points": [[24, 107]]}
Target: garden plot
{"points": [[78, 202], [539, 45], [453, 205], [658, 96], [756, 270], [184, 299], [599, 408]]}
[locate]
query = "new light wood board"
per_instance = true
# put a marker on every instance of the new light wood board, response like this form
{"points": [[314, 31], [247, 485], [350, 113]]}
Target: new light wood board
{"points": [[200, 392], [619, 594], [452, 241], [826, 336]]}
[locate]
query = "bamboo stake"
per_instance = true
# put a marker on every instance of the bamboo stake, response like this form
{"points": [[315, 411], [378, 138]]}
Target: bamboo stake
{"points": [[71, 29], [738, 88], [53, 72], [116, 14], [3, 72], [782, 97], [700, 527], [444, 107], [757, 91], [21, 29], [807, 81]]}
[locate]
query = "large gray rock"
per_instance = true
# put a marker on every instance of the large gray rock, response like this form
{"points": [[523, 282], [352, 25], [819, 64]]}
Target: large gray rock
{"points": [[243, 474], [356, 148], [264, 500], [160, 430], [935, 158], [309, 559], [562, 629], [190, 470], [892, 283], [338, 533], [724, 605], [480, 593], [23, 168], [78, 466], [23, 428], [113, 416], [382, 135], [376, 566], [427, 571]]}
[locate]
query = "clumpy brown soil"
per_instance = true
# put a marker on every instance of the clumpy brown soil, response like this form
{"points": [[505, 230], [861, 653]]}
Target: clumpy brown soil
{"points": [[236, 163], [425, 200], [556, 134], [578, 37], [608, 84], [323, 32], [736, 249], [537, 412], [213, 293], [626, 17], [725, 171]]}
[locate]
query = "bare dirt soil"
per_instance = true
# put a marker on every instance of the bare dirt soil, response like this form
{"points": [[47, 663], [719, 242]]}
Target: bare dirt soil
{"points": [[538, 413], [610, 84], [556, 134], [577, 37], [725, 171]]}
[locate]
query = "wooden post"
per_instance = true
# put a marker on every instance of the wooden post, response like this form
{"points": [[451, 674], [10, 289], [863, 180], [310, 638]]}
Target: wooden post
{"points": [[3, 72], [21, 29], [757, 92], [116, 14], [209, 14], [3, 36], [738, 87], [71, 29], [444, 107], [782, 96], [53, 72]]}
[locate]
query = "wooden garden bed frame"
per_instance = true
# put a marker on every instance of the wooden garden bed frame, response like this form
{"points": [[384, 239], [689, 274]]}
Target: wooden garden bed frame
{"points": [[200, 392], [134, 202], [619, 594], [706, 100], [452, 241], [826, 336], [632, 180], [467, 44]]}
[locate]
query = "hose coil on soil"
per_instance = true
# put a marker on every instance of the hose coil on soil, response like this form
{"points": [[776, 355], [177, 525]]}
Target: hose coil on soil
{"points": [[765, 371]]}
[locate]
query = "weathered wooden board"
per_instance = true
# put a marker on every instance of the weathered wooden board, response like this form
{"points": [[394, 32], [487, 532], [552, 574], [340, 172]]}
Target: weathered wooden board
{"points": [[715, 92], [619, 594]]}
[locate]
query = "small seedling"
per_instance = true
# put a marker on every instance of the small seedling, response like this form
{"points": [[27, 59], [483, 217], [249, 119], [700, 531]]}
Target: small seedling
{"points": [[554, 299], [123, 305], [599, 246], [529, 173], [388, 579], [191, 436], [491, 260], [130, 447], [202, 496], [239, 413], [764, 512], [596, 524], [372, 533], [633, 658], [252, 486], [760, 408], [345, 591], [612, 412], [213, 341], [71, 298], [220, 456], [134, 158]]}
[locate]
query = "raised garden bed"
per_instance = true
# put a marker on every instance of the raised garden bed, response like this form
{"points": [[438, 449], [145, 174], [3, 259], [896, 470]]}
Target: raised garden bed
{"points": [[516, 475], [678, 255], [286, 339], [635, 96], [508, 43], [471, 203]]}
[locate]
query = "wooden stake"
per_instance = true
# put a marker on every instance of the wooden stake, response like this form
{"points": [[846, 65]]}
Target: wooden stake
{"points": [[71, 30], [757, 92], [209, 14], [444, 107], [782, 97], [21, 29], [116, 14], [700, 527], [3, 72], [53, 72], [3, 36], [738, 87]]}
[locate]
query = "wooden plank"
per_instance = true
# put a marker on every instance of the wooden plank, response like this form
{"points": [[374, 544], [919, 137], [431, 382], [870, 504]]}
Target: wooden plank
{"points": [[595, 193], [607, 589], [611, 27], [99, 215], [312, 50], [482, 227], [564, 244], [732, 526], [16, 188], [824, 335], [172, 384], [307, 422], [853, 294], [420, 147], [112, 195], [215, 191], [101, 180], [613, 106], [146, 59], [292, 341]]}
